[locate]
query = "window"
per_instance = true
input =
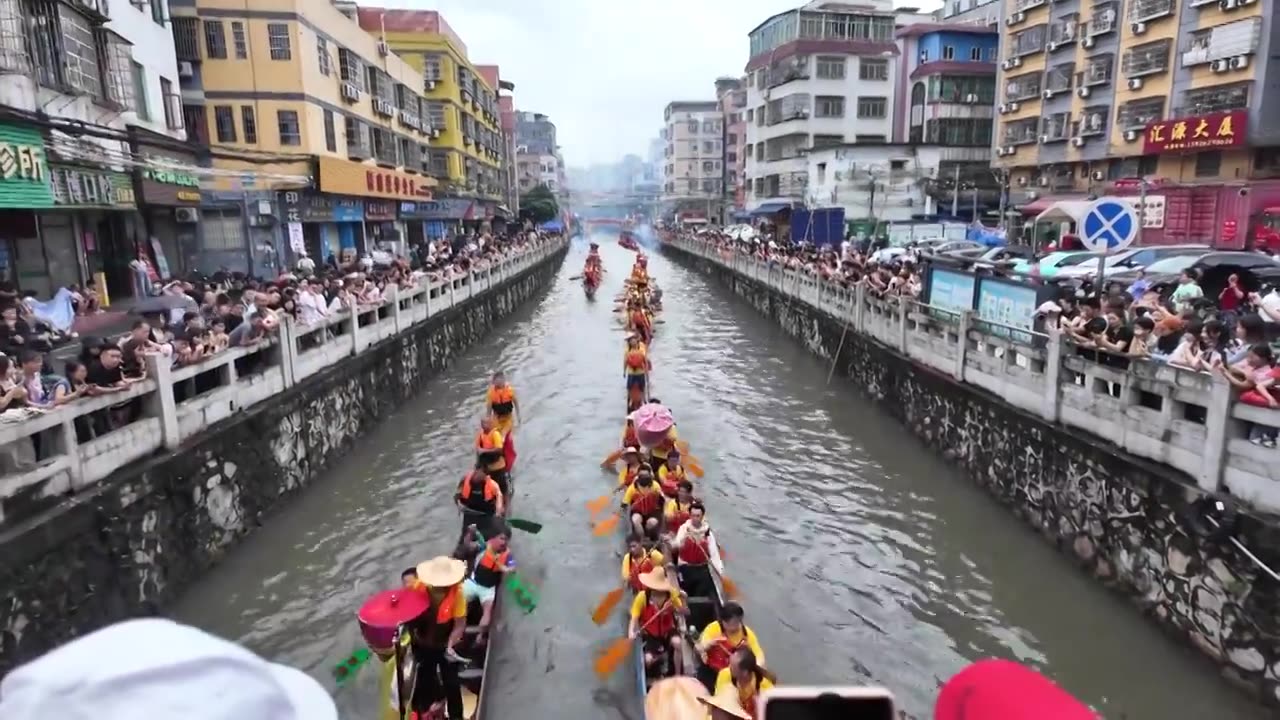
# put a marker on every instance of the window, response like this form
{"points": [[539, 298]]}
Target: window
{"points": [[66, 49], [250, 124], [290, 130], [873, 107], [157, 11], [215, 40], [829, 106], [432, 68], [358, 142], [830, 68], [278, 41], [237, 39], [948, 52], [822, 173], [224, 123], [167, 100], [1208, 164], [330, 134], [751, 114], [869, 69], [692, 126], [222, 229], [438, 112], [975, 54], [322, 54], [992, 52], [140, 92], [351, 68]]}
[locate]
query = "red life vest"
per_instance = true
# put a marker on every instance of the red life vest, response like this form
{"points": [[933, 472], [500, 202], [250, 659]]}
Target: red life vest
{"points": [[719, 651], [658, 624], [679, 517], [645, 565], [630, 438], [636, 359], [695, 551], [639, 320], [646, 502]]}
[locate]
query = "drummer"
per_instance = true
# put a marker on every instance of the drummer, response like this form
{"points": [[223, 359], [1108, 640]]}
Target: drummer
{"points": [[435, 633]]}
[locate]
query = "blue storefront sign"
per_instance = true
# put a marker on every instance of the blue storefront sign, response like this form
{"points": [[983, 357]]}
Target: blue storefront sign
{"points": [[1005, 307], [310, 207], [950, 290], [446, 209]]}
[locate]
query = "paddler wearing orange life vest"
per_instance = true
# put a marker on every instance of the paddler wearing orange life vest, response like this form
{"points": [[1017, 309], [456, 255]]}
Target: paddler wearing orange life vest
{"points": [[721, 638], [696, 548], [644, 503], [480, 498], [670, 474], [747, 677], [435, 633], [490, 447], [639, 559], [638, 322], [636, 366], [493, 564], [653, 619], [678, 508], [501, 401]]}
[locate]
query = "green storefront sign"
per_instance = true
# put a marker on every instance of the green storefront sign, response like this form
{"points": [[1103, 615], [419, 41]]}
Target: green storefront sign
{"points": [[24, 170], [170, 177]]}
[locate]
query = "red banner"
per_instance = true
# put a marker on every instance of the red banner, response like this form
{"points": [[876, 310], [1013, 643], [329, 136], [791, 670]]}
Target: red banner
{"points": [[1211, 131]]}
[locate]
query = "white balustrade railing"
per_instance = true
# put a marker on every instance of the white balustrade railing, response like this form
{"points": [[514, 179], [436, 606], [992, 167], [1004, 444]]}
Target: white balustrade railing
{"points": [[1184, 419], [177, 403]]}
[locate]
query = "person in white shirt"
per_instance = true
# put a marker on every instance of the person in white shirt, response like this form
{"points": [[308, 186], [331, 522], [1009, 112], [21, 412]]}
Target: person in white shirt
{"points": [[312, 307], [695, 548]]}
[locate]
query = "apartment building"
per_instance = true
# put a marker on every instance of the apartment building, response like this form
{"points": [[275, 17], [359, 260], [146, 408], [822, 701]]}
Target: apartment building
{"points": [[1156, 97], [492, 76], [731, 93], [693, 158], [536, 133], [81, 83], [461, 104], [507, 116], [534, 169], [987, 13], [819, 75]]}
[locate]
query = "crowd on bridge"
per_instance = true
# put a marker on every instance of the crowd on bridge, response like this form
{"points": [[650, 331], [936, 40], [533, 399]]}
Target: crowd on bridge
{"points": [[183, 321], [1233, 332]]}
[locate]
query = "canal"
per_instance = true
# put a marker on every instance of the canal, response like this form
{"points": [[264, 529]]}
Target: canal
{"points": [[862, 557]]}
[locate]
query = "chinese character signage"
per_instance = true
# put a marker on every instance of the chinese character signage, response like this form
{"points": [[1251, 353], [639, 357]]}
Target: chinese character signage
{"points": [[1212, 131], [346, 177], [24, 171], [303, 206], [379, 210], [78, 187]]}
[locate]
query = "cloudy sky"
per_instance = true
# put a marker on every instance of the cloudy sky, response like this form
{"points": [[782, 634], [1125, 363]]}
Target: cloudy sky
{"points": [[603, 70]]}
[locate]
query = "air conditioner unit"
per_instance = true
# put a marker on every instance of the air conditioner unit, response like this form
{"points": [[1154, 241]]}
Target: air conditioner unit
{"points": [[186, 69], [1228, 4], [1083, 92], [1243, 3], [435, 132], [1130, 135], [186, 215], [262, 221], [1138, 28], [1009, 21], [1044, 139], [1003, 108], [924, 56], [1019, 16], [1135, 83], [971, 98], [1240, 62], [383, 50], [1013, 107], [1098, 175], [1022, 181], [1087, 43], [1044, 181], [1009, 149], [1077, 141], [1000, 152], [1047, 94], [1220, 66], [1051, 46], [350, 92], [1015, 62], [431, 84]]}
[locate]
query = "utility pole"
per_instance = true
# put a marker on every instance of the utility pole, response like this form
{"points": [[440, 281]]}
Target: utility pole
{"points": [[955, 193]]}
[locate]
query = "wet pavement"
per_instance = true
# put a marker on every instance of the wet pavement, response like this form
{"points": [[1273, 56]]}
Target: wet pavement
{"points": [[863, 558]]}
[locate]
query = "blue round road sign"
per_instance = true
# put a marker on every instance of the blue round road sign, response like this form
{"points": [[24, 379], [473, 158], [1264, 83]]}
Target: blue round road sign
{"points": [[1110, 224]]}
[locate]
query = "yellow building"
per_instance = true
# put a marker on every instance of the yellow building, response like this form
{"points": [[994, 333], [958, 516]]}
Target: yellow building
{"points": [[299, 82], [462, 103], [1091, 93]]}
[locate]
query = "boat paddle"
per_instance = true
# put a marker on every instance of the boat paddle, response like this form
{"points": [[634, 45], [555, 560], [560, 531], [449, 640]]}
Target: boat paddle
{"points": [[606, 526], [529, 526], [598, 504], [606, 605], [617, 651], [694, 466], [347, 669], [612, 458]]}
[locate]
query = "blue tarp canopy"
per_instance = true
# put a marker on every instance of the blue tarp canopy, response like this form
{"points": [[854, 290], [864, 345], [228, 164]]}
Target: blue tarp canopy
{"points": [[552, 226], [771, 207], [741, 215]]}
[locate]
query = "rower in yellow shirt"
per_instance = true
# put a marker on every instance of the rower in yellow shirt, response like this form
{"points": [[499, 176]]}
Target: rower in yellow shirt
{"points": [[637, 561], [746, 677], [489, 446], [658, 455], [627, 475], [720, 639], [670, 474]]}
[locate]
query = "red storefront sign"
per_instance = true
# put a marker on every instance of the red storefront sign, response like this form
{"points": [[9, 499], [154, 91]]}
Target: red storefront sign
{"points": [[1212, 131]]}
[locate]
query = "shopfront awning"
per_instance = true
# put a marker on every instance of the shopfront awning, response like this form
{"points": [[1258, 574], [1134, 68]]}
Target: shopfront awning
{"points": [[502, 211], [769, 208], [1064, 210], [1040, 204]]}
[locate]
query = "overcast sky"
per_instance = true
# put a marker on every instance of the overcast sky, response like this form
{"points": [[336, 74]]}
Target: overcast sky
{"points": [[603, 70]]}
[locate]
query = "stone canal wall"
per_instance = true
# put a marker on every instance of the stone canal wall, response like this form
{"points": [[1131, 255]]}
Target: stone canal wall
{"points": [[1134, 525], [124, 543]]}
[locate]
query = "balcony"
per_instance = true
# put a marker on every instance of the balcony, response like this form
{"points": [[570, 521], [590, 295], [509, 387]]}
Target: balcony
{"points": [[1028, 42], [1215, 99], [1058, 80], [1055, 128], [1137, 114], [1096, 73], [1022, 87], [1229, 42], [1142, 12], [1020, 132], [1093, 121], [186, 38], [1063, 33], [1102, 22], [1148, 59]]}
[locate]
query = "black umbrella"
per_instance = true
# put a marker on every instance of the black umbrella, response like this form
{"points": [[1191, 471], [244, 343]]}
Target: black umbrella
{"points": [[161, 304]]}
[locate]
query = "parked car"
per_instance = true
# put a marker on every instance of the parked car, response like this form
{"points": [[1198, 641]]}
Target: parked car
{"points": [[951, 247], [1002, 256], [1255, 270], [1130, 259], [1049, 265]]}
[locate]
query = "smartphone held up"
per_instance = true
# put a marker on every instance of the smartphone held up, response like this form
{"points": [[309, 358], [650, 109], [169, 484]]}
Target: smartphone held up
{"points": [[827, 703]]}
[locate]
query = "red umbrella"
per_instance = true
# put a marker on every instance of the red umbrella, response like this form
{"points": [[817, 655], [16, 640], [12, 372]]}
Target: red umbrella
{"points": [[382, 615]]}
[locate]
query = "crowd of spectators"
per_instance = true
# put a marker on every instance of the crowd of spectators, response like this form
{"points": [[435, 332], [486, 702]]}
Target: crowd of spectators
{"points": [[1232, 332], [190, 319]]}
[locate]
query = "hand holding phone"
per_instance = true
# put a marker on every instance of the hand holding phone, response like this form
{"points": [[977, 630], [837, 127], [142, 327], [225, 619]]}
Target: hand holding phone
{"points": [[827, 703]]}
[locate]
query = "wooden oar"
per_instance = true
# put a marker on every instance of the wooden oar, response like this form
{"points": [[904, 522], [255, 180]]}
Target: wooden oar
{"points": [[598, 504], [682, 447], [612, 458], [694, 466], [606, 526], [606, 605]]}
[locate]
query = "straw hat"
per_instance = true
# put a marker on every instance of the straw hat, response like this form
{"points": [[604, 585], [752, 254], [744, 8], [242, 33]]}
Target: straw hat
{"points": [[441, 571], [727, 702], [656, 579], [631, 451]]}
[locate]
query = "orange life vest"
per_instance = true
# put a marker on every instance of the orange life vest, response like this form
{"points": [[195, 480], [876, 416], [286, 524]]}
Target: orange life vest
{"points": [[645, 565], [488, 570], [437, 622], [484, 441], [502, 400], [636, 359], [658, 622], [696, 551], [679, 516], [646, 502]]}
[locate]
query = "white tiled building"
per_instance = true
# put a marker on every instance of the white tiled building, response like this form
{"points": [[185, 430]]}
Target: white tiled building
{"points": [[693, 167]]}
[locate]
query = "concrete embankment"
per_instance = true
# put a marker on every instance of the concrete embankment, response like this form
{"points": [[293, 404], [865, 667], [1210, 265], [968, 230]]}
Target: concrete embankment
{"points": [[1134, 525], [128, 544]]}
